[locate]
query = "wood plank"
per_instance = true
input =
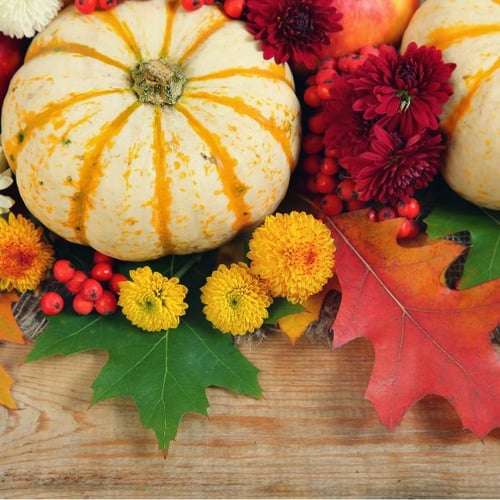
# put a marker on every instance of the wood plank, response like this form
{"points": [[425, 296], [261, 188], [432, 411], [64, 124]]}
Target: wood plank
{"points": [[312, 435]]}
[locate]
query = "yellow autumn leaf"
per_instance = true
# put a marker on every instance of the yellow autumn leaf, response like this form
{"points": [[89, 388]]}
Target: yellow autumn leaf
{"points": [[294, 325], [5, 396], [9, 329]]}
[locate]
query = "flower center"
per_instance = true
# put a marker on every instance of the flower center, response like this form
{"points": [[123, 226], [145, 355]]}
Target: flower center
{"points": [[405, 100], [17, 261], [296, 22]]}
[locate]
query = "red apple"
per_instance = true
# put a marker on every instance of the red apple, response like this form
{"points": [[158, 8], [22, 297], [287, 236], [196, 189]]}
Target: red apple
{"points": [[370, 22], [12, 52]]}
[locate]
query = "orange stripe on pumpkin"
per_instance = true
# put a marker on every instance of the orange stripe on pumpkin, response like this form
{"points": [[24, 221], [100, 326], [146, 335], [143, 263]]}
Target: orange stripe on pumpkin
{"points": [[233, 188], [50, 113], [442, 38], [473, 83], [122, 29], [56, 45], [202, 37], [91, 172], [240, 107], [276, 72], [163, 197], [171, 10]]}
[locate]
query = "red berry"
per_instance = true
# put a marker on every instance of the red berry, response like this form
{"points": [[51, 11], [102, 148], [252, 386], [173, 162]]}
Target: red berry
{"points": [[311, 184], [100, 257], [192, 4], [91, 289], [354, 204], [329, 165], [107, 4], [386, 213], [86, 6], [312, 143], [345, 189], [325, 75], [325, 183], [332, 152], [311, 164], [102, 271], [311, 97], [326, 90], [409, 229], [75, 283], [408, 208], [234, 8], [81, 305], [316, 123], [51, 303], [63, 270], [331, 204], [107, 303], [372, 215], [114, 282]]}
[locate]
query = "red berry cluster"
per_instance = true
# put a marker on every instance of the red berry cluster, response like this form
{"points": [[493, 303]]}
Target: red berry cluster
{"points": [[409, 210], [88, 6], [320, 172], [232, 8], [97, 291]]}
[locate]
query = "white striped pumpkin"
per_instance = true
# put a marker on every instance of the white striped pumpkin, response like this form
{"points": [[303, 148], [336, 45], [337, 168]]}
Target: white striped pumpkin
{"points": [[468, 33], [135, 179]]}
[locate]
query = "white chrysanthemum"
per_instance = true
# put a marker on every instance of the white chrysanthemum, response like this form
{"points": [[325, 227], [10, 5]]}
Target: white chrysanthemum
{"points": [[23, 18], [6, 180]]}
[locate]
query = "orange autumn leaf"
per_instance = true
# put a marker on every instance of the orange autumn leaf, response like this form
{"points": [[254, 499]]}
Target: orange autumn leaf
{"points": [[5, 395], [428, 338], [9, 329]]}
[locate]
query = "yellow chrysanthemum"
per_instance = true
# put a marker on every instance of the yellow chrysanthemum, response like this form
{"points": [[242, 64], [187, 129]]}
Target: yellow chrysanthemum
{"points": [[24, 257], [294, 253], [236, 300], [152, 301]]}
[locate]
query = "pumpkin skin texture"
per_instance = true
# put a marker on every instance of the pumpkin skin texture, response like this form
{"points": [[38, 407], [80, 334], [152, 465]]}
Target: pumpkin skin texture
{"points": [[137, 180], [468, 34]]}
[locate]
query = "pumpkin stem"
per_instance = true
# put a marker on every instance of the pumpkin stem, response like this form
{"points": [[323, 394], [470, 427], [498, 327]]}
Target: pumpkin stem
{"points": [[157, 82]]}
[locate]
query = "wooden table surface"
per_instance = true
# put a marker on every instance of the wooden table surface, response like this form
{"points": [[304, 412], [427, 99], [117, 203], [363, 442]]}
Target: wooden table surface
{"points": [[312, 435]]}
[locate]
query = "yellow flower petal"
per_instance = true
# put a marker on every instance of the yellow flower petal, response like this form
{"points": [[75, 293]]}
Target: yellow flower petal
{"points": [[152, 301], [236, 300], [294, 254], [24, 257]]}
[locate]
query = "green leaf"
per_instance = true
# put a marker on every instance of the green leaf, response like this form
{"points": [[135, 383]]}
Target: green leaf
{"points": [[165, 373], [282, 307], [452, 215]]}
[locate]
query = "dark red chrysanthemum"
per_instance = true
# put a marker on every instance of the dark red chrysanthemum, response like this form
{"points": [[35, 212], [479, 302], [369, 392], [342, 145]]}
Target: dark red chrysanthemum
{"points": [[395, 167], [409, 88], [292, 30], [346, 130]]}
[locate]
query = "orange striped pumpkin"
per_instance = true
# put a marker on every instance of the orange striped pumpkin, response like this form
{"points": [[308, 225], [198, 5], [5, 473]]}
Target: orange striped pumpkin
{"points": [[147, 130], [468, 33]]}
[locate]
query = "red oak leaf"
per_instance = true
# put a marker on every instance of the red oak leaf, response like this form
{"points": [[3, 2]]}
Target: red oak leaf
{"points": [[428, 339]]}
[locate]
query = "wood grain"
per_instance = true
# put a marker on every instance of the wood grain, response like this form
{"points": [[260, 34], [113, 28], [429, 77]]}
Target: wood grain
{"points": [[312, 435]]}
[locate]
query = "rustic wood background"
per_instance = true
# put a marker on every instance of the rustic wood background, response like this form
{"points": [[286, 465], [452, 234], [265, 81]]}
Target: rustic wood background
{"points": [[313, 435]]}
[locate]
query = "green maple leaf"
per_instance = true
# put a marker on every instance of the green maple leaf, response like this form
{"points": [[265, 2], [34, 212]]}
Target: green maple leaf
{"points": [[453, 215], [165, 373]]}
